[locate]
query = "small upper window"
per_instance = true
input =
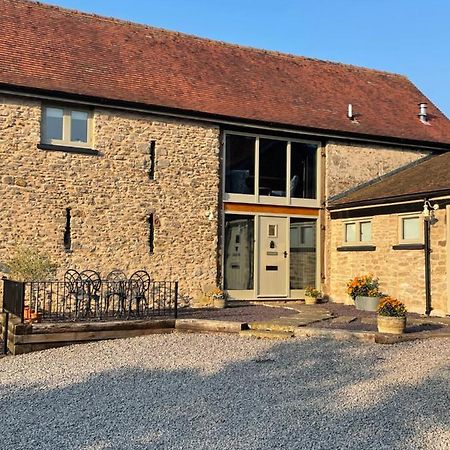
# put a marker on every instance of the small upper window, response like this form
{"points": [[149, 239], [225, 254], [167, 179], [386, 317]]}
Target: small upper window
{"points": [[410, 229], [66, 126], [356, 232]]}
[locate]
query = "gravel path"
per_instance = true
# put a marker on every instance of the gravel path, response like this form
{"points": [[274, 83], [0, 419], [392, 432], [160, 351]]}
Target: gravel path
{"points": [[193, 391]]}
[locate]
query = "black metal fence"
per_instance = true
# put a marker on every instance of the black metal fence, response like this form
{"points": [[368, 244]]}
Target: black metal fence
{"points": [[84, 296]]}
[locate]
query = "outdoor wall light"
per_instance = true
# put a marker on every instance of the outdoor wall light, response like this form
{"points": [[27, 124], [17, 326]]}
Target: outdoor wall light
{"points": [[428, 211], [429, 219]]}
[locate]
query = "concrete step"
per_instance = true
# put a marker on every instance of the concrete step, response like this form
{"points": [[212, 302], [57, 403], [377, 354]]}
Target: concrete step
{"points": [[264, 334]]}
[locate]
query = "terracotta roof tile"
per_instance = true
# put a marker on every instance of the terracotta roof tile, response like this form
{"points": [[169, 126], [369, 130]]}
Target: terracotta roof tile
{"points": [[426, 176], [50, 48]]}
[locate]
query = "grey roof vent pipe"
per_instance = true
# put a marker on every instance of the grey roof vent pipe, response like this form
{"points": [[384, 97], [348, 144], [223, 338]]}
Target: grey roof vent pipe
{"points": [[423, 116]]}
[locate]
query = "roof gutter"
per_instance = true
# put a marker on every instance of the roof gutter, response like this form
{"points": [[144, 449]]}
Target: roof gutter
{"points": [[216, 119]]}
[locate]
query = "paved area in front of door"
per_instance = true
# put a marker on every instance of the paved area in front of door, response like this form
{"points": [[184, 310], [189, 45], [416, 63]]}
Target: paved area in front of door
{"points": [[287, 316], [344, 317]]}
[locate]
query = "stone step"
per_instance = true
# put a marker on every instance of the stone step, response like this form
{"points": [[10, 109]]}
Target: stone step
{"points": [[264, 334], [209, 325], [273, 326]]}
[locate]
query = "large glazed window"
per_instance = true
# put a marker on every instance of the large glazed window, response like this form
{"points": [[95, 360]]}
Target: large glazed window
{"points": [[239, 250], [270, 170], [240, 164], [272, 167], [303, 253], [303, 178]]}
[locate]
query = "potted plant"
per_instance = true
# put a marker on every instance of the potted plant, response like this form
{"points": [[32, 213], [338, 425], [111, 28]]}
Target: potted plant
{"points": [[311, 295], [391, 316], [218, 298], [365, 292]]}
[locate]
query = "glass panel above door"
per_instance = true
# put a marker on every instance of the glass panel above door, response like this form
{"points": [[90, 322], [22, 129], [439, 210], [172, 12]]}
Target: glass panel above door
{"points": [[272, 167], [303, 253]]}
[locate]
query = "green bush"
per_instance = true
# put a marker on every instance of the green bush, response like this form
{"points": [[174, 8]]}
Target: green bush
{"points": [[28, 264]]}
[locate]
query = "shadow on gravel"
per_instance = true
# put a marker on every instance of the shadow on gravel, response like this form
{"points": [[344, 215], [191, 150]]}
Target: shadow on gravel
{"points": [[291, 397]]}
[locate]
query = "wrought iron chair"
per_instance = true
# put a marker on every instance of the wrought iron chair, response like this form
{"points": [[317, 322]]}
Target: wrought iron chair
{"points": [[138, 289], [71, 291], [116, 288], [90, 292]]}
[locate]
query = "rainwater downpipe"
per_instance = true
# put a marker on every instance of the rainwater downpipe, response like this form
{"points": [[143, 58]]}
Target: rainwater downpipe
{"points": [[427, 251]]}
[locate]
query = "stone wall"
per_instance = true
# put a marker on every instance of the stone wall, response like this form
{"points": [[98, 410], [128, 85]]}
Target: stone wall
{"points": [[401, 272], [111, 195], [348, 165]]}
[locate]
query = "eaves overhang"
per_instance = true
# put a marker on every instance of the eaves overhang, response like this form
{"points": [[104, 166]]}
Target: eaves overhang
{"points": [[217, 119]]}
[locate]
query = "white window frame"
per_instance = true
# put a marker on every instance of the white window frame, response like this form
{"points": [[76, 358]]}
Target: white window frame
{"points": [[357, 223], [67, 117], [400, 229], [269, 200]]}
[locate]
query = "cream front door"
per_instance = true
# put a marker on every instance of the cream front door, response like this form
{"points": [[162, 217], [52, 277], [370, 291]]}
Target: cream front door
{"points": [[273, 257]]}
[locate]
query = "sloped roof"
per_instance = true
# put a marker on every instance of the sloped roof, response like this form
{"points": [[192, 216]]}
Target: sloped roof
{"points": [[50, 48], [426, 177]]}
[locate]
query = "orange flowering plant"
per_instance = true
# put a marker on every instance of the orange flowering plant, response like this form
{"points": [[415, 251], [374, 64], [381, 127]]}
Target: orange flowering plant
{"points": [[365, 286], [391, 307]]}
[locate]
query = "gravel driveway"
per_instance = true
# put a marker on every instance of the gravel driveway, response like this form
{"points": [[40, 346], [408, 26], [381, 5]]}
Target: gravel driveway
{"points": [[193, 391]]}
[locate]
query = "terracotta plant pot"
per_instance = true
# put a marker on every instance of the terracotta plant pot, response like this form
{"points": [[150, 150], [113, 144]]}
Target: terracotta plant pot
{"points": [[26, 313], [391, 325], [310, 300], [367, 303], [31, 316], [35, 317]]}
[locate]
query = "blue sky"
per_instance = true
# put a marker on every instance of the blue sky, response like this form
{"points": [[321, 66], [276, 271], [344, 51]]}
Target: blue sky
{"points": [[411, 37]]}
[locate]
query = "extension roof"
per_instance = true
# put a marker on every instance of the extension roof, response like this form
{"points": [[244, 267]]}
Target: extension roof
{"points": [[425, 178], [50, 49]]}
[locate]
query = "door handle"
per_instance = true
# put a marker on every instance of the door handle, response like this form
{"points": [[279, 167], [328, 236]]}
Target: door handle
{"points": [[285, 254]]}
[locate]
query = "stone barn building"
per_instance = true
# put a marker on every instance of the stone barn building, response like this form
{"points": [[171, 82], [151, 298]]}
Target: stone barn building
{"points": [[126, 146]]}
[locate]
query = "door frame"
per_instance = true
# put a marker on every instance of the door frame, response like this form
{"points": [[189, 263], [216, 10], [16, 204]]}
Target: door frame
{"points": [[259, 262], [291, 293]]}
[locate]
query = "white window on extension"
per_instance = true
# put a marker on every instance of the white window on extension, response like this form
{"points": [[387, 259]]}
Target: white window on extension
{"points": [[358, 231], [410, 229]]}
